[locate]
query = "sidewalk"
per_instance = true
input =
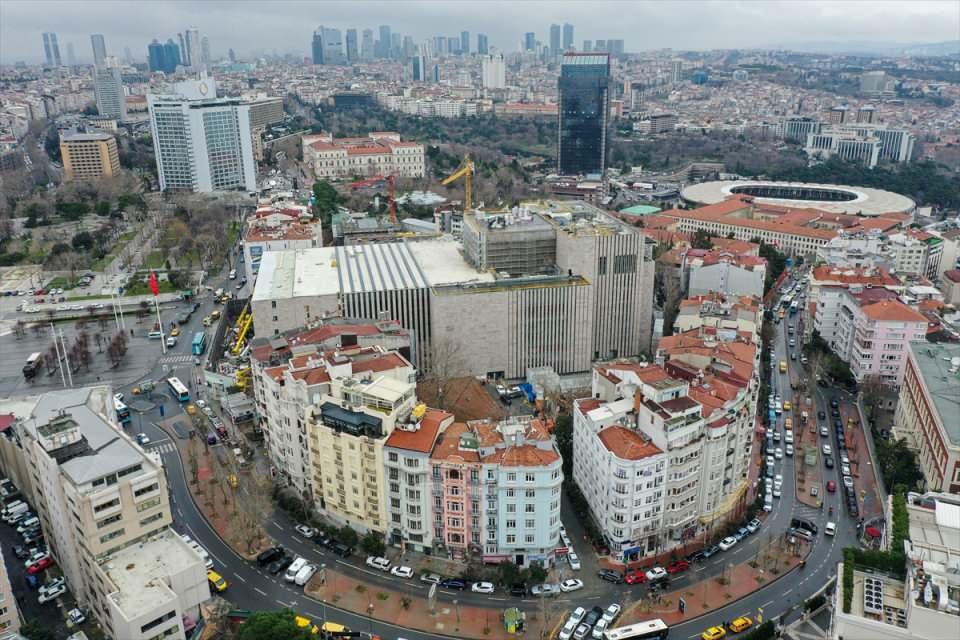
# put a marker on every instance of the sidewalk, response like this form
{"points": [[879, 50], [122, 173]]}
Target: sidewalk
{"points": [[450, 619]]}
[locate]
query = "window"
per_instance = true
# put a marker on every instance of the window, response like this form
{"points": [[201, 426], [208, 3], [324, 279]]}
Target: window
{"points": [[149, 519], [511, 493], [531, 493], [106, 505], [148, 489], [530, 524], [511, 539], [530, 508], [110, 536], [531, 477], [511, 477], [511, 524], [106, 522], [392, 457], [511, 508]]}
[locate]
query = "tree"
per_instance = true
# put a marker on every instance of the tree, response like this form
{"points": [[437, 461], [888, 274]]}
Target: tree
{"points": [[536, 573], [444, 362], [273, 625], [563, 433], [508, 573], [372, 544], [348, 536], [326, 200], [701, 240], [35, 630], [253, 509]]}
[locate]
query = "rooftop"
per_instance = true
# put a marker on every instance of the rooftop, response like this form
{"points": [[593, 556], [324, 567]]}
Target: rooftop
{"points": [[936, 363], [297, 273], [627, 444], [854, 200], [424, 437], [86, 137]]}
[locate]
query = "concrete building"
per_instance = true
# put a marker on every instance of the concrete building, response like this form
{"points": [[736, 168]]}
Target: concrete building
{"points": [[656, 123], [291, 372], [739, 314], [9, 611], [827, 284], [928, 413], [380, 153], [918, 603], [102, 501], [843, 144], [861, 250], [278, 227], [89, 156], [99, 45], [799, 129], [595, 303], [51, 50], [494, 71], [108, 87], [203, 143], [950, 286], [916, 252], [873, 336], [723, 272]]}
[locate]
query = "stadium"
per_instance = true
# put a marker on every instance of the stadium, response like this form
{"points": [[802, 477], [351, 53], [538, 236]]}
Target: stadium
{"points": [[826, 197]]}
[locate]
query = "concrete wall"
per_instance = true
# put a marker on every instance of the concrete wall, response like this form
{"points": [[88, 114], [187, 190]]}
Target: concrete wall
{"points": [[290, 313], [726, 278]]}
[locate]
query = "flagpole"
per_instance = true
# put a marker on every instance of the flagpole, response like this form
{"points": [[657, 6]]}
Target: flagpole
{"points": [[163, 340]]}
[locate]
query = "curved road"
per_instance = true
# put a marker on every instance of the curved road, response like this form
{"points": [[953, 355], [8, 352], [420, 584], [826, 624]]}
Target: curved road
{"points": [[252, 588]]}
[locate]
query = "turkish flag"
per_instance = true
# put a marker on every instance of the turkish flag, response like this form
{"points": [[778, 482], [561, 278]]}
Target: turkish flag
{"points": [[153, 284]]}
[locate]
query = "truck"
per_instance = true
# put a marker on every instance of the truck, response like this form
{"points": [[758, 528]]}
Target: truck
{"points": [[32, 366]]}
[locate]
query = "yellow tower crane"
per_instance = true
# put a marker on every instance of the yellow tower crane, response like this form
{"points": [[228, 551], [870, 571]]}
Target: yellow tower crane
{"points": [[466, 172]]}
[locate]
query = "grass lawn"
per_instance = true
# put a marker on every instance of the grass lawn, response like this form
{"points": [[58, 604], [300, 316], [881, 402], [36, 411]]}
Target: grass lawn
{"points": [[122, 241], [141, 288], [156, 260], [62, 282]]}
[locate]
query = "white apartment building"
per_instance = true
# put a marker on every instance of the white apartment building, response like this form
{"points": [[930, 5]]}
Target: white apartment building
{"points": [[108, 88], [277, 228], [844, 144], [291, 372], [381, 153], [724, 272], [828, 283], [9, 611], [202, 143], [867, 250], [493, 71], [101, 501]]}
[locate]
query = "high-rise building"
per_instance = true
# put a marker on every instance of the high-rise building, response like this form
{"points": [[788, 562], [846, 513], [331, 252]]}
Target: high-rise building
{"points": [[108, 87], [494, 71], [203, 143], [555, 40], [99, 49], [127, 56], [184, 60], [366, 45], [395, 45], [71, 56], [352, 50], [316, 46], [89, 156], [205, 58], [453, 45], [231, 55], [419, 68], [600, 46], [332, 46], [194, 48], [583, 88], [615, 47], [385, 42], [465, 43], [409, 49], [587, 45], [10, 613], [530, 41], [483, 44], [51, 50], [567, 36]]}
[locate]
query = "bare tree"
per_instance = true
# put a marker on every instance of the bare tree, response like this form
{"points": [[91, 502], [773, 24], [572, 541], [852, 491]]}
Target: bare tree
{"points": [[444, 362], [254, 507]]}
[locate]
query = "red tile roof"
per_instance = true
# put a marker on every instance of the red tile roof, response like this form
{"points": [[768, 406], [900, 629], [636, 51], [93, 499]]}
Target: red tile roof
{"points": [[627, 444], [424, 438], [892, 311]]}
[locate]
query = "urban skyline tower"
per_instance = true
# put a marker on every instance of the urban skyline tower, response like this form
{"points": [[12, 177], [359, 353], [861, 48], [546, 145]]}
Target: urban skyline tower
{"points": [[51, 50], [483, 44], [366, 45], [99, 49], [71, 58], [194, 48], [554, 40], [583, 88], [567, 36], [529, 41], [465, 42], [351, 42], [108, 87]]}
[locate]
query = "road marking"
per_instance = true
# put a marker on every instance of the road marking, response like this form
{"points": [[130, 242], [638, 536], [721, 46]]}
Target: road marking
{"points": [[278, 526], [500, 599], [787, 592], [297, 539], [263, 593], [283, 604], [765, 604]]}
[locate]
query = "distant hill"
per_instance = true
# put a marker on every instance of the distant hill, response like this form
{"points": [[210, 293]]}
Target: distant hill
{"points": [[864, 47]]}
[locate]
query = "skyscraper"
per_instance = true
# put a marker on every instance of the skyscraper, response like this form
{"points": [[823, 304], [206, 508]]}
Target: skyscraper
{"points": [[366, 45], [316, 46], [419, 67], [183, 50], [409, 49], [108, 87], [465, 42], [163, 57], [494, 72], [194, 49], [483, 45], [583, 87], [155, 61], [205, 51], [51, 50], [203, 143], [529, 41], [567, 36], [384, 43], [99, 49], [352, 51], [71, 57], [676, 68], [554, 40], [587, 46], [231, 55]]}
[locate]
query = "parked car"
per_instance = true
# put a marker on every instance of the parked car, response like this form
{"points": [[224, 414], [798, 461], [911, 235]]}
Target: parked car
{"points": [[656, 573], [545, 590], [430, 578], [754, 525], [571, 584], [377, 562], [678, 566], [52, 594], [402, 572], [634, 577], [454, 583], [610, 576], [574, 561], [280, 564], [40, 565], [305, 531], [482, 587], [518, 590], [77, 616], [710, 551], [612, 613]]}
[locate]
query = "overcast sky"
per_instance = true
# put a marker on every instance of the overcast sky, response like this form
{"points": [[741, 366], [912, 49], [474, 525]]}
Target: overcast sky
{"points": [[285, 25]]}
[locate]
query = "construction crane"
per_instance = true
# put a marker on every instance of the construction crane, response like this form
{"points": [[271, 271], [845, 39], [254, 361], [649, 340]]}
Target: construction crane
{"points": [[466, 172], [377, 179]]}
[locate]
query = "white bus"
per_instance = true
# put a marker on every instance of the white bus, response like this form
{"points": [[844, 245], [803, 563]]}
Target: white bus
{"points": [[33, 364], [655, 629], [179, 391]]}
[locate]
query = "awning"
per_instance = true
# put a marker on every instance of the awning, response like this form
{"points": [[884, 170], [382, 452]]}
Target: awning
{"points": [[873, 532]]}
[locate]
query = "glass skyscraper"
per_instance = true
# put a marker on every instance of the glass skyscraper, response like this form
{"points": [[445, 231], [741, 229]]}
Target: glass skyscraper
{"points": [[583, 88]]}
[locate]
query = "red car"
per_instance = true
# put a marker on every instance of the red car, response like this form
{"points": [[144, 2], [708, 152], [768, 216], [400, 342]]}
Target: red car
{"points": [[678, 566], [831, 486], [635, 577], [40, 565]]}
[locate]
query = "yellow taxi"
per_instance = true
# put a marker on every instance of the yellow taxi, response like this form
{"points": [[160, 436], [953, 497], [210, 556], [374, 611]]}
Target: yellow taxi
{"points": [[713, 633], [216, 580], [741, 624], [175, 331], [786, 405], [215, 314], [304, 623]]}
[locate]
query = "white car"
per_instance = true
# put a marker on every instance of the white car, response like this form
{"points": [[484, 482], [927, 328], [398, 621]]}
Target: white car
{"points": [[52, 594], [848, 482], [572, 584], [778, 479], [54, 584], [35, 557], [574, 561], [143, 439], [599, 629], [777, 492], [578, 615], [612, 613], [402, 572], [845, 469], [200, 404], [778, 453], [789, 450], [830, 529], [430, 578], [656, 573], [77, 616], [118, 397], [376, 562], [544, 590], [305, 531], [827, 450], [482, 587], [727, 543]]}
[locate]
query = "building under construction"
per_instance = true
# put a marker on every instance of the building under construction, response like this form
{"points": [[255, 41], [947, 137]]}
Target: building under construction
{"points": [[512, 243]]}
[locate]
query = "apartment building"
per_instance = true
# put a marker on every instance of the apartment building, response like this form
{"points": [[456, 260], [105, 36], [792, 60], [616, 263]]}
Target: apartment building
{"points": [[89, 156], [276, 228], [290, 372], [921, 602], [950, 285], [724, 272], [873, 336], [916, 253], [827, 285], [9, 611], [381, 153], [739, 315], [104, 508], [844, 144], [866, 250], [928, 413]]}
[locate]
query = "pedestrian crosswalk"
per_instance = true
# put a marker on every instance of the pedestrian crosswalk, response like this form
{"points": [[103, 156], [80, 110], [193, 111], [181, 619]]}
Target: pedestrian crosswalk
{"points": [[178, 359], [162, 447]]}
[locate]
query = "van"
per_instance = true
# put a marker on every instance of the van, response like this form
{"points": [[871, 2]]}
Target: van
{"points": [[28, 524], [294, 569], [768, 502], [12, 511], [154, 335], [304, 575]]}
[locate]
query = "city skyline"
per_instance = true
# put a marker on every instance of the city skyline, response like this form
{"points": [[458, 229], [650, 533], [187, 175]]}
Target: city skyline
{"points": [[715, 25]]}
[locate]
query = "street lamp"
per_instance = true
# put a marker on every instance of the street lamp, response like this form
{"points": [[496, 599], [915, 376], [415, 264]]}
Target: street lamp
{"points": [[370, 613]]}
